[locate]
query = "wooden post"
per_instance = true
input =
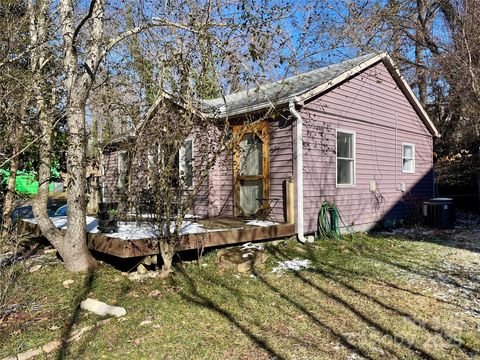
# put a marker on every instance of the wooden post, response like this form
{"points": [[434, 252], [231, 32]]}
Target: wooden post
{"points": [[290, 201]]}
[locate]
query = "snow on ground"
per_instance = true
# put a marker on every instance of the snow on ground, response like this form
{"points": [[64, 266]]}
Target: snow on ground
{"points": [[136, 231], [261, 223], [292, 265], [129, 230], [251, 246]]}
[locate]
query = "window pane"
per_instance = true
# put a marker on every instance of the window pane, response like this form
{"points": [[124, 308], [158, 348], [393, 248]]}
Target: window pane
{"points": [[251, 155], [407, 165], [250, 193], [344, 145], [344, 172], [186, 163], [408, 151]]}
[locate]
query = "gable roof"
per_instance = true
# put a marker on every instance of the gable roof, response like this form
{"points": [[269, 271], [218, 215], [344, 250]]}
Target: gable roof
{"points": [[303, 87]]}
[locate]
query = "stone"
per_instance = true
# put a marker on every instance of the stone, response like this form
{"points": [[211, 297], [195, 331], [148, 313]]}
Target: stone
{"points": [[27, 355], [147, 321], [102, 309], [147, 261], [135, 276], [154, 259], [152, 274], [35, 268], [51, 346], [155, 293], [66, 284], [141, 269], [240, 260]]}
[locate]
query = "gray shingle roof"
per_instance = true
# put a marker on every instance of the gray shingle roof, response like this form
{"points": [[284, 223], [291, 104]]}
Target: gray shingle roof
{"points": [[279, 92]]}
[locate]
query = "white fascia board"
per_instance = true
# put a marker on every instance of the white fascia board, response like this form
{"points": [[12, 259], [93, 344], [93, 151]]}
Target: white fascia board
{"points": [[387, 60], [337, 80]]}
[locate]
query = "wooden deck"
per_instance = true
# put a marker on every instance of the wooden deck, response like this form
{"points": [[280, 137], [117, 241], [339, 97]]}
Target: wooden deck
{"points": [[144, 247]]}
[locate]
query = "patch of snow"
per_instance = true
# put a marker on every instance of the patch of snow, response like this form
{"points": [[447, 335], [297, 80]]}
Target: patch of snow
{"points": [[261, 223], [61, 223], [133, 231], [130, 230], [292, 265], [251, 246]]}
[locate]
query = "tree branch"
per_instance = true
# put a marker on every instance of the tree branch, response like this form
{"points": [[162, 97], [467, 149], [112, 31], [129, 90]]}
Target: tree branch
{"points": [[83, 21]]}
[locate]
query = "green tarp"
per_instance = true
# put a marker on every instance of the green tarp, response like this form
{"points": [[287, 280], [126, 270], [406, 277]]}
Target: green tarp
{"points": [[25, 182]]}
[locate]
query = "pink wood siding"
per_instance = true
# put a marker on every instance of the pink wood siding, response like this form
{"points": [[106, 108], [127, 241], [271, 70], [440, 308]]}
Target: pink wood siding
{"points": [[368, 105], [281, 163], [221, 186]]}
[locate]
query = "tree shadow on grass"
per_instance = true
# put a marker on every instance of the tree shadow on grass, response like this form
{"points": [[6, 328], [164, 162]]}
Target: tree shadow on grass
{"points": [[201, 300], [198, 299], [88, 336], [342, 271], [386, 307], [81, 295]]}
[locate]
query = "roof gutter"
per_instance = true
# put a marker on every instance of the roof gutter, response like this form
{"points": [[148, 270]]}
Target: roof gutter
{"points": [[299, 173]]}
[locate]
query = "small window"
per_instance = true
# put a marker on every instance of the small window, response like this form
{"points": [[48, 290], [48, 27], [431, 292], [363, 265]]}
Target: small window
{"points": [[186, 164], [408, 158], [345, 158]]}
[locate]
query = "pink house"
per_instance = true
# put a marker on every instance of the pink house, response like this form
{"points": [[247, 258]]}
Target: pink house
{"points": [[352, 133]]}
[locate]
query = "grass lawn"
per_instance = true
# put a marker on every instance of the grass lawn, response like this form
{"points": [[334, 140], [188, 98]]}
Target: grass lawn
{"points": [[372, 297]]}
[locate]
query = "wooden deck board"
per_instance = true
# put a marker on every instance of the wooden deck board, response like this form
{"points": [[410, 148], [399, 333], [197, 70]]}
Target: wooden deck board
{"points": [[144, 247]]}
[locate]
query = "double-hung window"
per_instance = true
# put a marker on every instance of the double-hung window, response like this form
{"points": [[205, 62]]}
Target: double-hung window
{"points": [[345, 158], [186, 163], [408, 158]]}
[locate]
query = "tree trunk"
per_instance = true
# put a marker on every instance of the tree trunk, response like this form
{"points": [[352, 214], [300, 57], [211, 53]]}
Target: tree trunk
{"points": [[419, 53], [76, 255], [10, 195], [167, 251]]}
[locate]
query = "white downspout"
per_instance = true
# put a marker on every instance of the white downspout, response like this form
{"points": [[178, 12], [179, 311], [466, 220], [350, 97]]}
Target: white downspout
{"points": [[299, 173]]}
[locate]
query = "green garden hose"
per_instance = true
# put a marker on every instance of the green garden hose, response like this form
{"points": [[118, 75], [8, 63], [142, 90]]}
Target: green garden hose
{"points": [[328, 222]]}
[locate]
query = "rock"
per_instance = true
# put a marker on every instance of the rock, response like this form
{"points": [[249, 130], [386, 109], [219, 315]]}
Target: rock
{"points": [[66, 284], [30, 354], [155, 293], [51, 346], [102, 309], [133, 294], [245, 267], [147, 321], [152, 274], [35, 268], [154, 259], [241, 260], [135, 276], [141, 269], [50, 251], [147, 261]]}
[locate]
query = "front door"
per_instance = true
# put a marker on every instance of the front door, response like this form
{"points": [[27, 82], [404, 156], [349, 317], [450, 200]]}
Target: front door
{"points": [[251, 168]]}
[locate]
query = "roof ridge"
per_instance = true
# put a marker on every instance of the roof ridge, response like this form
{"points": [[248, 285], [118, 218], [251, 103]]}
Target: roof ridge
{"points": [[290, 78]]}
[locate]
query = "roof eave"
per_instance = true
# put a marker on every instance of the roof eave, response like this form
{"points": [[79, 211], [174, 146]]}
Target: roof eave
{"points": [[388, 62]]}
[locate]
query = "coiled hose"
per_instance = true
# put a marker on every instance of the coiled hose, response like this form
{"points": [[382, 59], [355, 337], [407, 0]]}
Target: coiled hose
{"points": [[328, 222]]}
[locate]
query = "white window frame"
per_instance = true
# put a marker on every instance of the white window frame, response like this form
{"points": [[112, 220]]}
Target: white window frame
{"points": [[182, 163], [412, 171], [354, 180]]}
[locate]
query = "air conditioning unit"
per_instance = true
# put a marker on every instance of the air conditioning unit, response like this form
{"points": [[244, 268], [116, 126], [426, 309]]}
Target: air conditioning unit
{"points": [[439, 213]]}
